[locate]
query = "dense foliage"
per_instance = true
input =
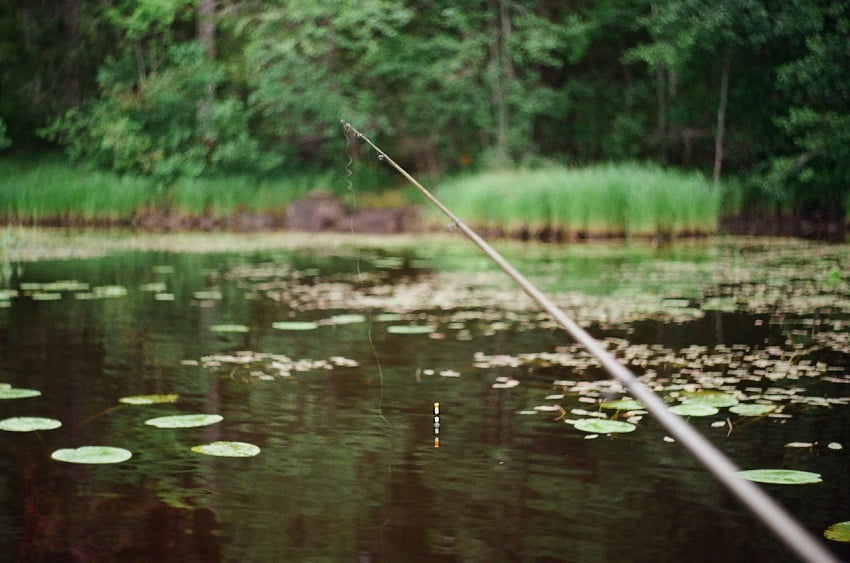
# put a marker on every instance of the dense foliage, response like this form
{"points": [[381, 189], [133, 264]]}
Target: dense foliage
{"points": [[746, 88]]}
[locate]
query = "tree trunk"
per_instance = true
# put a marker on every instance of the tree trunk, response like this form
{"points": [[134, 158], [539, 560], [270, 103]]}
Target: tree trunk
{"points": [[721, 115], [502, 71], [206, 38], [71, 72]]}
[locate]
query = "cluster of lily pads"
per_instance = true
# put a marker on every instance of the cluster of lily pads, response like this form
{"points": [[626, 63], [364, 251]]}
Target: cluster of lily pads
{"points": [[99, 454]]}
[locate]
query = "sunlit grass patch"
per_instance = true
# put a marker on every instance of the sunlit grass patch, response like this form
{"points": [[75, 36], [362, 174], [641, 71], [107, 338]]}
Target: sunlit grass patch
{"points": [[610, 199]]}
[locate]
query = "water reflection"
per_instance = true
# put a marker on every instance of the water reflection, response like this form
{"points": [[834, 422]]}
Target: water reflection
{"points": [[348, 469]]}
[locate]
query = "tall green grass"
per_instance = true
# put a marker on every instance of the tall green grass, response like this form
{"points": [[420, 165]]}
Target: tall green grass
{"points": [[610, 199]]}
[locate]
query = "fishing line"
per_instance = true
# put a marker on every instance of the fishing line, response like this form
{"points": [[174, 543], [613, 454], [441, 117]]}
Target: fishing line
{"points": [[349, 133], [771, 513]]}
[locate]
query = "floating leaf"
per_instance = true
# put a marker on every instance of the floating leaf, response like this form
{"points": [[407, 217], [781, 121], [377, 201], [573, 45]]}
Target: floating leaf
{"points": [[208, 295], [164, 297], [227, 449], [29, 424], [601, 426], [410, 329], [156, 287], [92, 454], [229, 328], [347, 319], [838, 532], [387, 317], [623, 405], [149, 399], [14, 393], [712, 398], [799, 445], [46, 296], [723, 304], [184, 420], [834, 446], [694, 409], [754, 409], [295, 325], [781, 476]]}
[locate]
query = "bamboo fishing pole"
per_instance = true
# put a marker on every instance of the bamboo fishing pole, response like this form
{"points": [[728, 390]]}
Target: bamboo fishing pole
{"points": [[771, 513]]}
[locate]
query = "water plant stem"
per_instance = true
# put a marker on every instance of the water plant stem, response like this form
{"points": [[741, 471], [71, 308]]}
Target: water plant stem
{"points": [[771, 513]]}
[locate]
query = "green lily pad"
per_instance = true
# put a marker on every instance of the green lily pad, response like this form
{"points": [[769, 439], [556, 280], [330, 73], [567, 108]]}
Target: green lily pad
{"points": [[623, 405], [711, 398], [347, 319], [838, 532], [781, 476], [46, 296], [695, 408], [410, 329], [92, 454], [753, 409], [388, 317], [28, 424], [295, 325], [229, 328], [722, 304], [14, 393], [149, 399], [602, 426], [184, 420], [227, 449]]}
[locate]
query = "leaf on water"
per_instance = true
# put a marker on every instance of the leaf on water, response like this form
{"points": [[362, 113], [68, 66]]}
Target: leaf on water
{"points": [[213, 295], [799, 445], [601, 426], [410, 329], [755, 409], [15, 393], [711, 398], [295, 325], [834, 446], [184, 420], [149, 399], [164, 297], [92, 454], [347, 319], [155, 287], [229, 328], [504, 383], [781, 476], [723, 304], [694, 409], [838, 532], [623, 405], [387, 317], [227, 449], [46, 296], [28, 424]]}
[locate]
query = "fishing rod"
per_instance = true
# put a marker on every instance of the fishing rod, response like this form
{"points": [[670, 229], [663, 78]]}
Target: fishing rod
{"points": [[771, 513]]}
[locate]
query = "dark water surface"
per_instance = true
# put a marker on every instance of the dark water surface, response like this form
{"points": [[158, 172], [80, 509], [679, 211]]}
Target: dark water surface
{"points": [[349, 470]]}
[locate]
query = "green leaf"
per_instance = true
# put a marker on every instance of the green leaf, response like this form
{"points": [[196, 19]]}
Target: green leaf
{"points": [[92, 454], [227, 449], [295, 325], [602, 426], [229, 328], [14, 393], [410, 329], [754, 409], [694, 409], [149, 399], [28, 424], [781, 476], [347, 319], [184, 420], [838, 532], [711, 398]]}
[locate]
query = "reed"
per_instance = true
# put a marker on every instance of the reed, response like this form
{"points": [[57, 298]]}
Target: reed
{"points": [[604, 200]]}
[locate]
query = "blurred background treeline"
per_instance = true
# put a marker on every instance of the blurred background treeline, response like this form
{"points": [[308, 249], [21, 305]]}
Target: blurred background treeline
{"points": [[751, 93]]}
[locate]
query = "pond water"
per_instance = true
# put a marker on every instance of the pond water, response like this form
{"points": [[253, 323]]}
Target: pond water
{"points": [[330, 354]]}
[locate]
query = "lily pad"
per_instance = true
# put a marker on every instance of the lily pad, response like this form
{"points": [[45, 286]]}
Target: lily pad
{"points": [[602, 426], [295, 325], [149, 399], [184, 420], [14, 393], [781, 476], [227, 449], [29, 424], [410, 329], [229, 328], [694, 409], [347, 319], [712, 398], [92, 454], [623, 405], [753, 409], [838, 532]]}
